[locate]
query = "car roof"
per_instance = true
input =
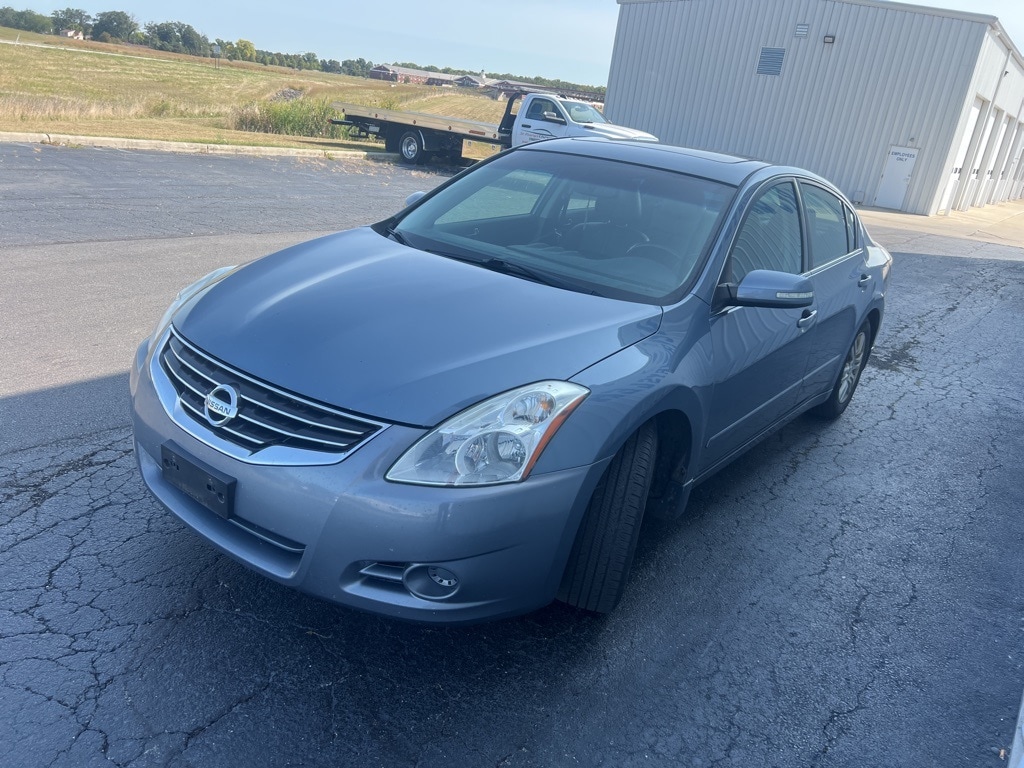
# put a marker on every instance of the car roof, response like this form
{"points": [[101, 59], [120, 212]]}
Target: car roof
{"points": [[710, 165]]}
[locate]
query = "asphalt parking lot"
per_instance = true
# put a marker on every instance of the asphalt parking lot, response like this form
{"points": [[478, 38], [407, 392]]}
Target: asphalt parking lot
{"points": [[846, 594]]}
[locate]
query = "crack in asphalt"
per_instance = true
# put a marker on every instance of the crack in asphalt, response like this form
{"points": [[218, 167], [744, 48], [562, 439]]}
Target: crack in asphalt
{"points": [[833, 728]]}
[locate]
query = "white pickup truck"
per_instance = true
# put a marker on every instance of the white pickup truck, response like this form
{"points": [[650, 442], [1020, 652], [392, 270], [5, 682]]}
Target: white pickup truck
{"points": [[416, 136]]}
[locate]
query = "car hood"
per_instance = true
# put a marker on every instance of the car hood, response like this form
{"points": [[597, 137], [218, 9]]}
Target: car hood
{"points": [[360, 322], [612, 131]]}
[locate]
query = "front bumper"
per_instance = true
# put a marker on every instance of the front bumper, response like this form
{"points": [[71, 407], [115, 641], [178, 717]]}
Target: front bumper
{"points": [[343, 533]]}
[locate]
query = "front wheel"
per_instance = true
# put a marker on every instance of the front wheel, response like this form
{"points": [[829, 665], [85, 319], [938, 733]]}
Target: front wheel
{"points": [[410, 148], [595, 576], [849, 376]]}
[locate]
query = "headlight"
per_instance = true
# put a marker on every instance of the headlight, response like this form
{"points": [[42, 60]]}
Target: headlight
{"points": [[496, 441], [184, 295]]}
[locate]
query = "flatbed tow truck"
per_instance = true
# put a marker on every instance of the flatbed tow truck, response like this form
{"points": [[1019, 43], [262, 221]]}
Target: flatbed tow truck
{"points": [[417, 136]]}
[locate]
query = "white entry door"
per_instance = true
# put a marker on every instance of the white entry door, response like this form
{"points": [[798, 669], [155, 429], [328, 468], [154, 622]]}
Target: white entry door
{"points": [[899, 168]]}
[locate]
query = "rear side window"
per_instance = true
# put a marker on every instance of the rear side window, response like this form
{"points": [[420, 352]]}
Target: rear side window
{"points": [[769, 237], [828, 225]]}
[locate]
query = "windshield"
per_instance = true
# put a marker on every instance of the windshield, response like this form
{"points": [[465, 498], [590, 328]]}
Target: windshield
{"points": [[583, 223], [581, 112]]}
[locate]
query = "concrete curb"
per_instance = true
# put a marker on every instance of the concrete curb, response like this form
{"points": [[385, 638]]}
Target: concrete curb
{"points": [[60, 139]]}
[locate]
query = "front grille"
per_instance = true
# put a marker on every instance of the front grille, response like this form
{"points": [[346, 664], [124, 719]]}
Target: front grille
{"points": [[266, 416]]}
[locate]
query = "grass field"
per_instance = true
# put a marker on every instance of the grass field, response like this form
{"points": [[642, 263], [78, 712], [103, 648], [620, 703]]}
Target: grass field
{"points": [[53, 85]]}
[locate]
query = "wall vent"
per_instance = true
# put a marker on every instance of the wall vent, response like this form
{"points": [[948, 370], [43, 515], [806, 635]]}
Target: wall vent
{"points": [[802, 30], [770, 62]]}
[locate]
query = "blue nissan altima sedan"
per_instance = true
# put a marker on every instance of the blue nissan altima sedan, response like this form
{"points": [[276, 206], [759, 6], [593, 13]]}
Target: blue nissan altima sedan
{"points": [[463, 412]]}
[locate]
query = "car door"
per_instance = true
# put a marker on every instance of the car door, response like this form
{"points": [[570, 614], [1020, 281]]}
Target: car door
{"points": [[759, 354], [543, 120], [841, 283]]}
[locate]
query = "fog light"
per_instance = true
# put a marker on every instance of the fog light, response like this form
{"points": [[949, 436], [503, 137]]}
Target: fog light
{"points": [[430, 582], [442, 576]]}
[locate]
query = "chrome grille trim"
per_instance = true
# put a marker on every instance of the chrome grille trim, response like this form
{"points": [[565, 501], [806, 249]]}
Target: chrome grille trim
{"points": [[261, 404], [200, 417], [268, 416], [304, 421]]}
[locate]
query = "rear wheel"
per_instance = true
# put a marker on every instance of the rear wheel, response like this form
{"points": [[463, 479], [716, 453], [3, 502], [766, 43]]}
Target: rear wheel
{"points": [[410, 148], [849, 376], [595, 576]]}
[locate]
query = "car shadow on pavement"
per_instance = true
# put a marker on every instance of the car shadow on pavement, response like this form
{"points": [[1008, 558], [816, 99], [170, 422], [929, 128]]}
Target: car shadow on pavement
{"points": [[63, 412]]}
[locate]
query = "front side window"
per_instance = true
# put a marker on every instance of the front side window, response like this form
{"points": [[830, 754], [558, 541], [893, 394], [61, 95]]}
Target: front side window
{"points": [[769, 237], [828, 228], [539, 107]]}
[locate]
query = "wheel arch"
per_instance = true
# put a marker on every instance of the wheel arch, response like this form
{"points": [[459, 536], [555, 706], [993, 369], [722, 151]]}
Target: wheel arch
{"points": [[675, 450], [874, 319]]}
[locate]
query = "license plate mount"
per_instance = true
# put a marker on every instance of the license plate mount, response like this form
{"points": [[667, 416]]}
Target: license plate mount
{"points": [[200, 482]]}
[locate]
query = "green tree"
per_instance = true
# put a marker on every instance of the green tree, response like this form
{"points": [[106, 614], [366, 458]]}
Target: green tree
{"points": [[165, 36], [117, 24], [30, 21], [72, 18], [246, 50], [357, 67], [192, 41]]}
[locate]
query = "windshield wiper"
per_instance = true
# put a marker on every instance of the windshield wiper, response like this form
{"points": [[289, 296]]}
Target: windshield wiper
{"points": [[396, 235], [517, 270], [537, 276], [495, 264]]}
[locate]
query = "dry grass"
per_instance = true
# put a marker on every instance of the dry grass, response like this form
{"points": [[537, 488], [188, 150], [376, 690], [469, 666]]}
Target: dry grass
{"points": [[451, 102], [53, 85]]}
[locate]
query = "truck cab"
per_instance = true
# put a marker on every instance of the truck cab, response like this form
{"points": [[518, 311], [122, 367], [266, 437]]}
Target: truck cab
{"points": [[548, 116]]}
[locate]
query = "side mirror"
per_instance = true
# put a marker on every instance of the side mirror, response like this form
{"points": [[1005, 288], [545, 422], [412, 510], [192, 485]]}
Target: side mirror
{"points": [[766, 288], [413, 198], [554, 117]]}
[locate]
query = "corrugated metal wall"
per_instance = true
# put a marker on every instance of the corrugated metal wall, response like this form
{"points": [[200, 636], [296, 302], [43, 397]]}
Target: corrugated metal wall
{"points": [[992, 165], [895, 75]]}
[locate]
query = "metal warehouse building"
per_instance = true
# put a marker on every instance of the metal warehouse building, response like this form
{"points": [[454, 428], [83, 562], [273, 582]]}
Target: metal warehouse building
{"points": [[902, 106]]}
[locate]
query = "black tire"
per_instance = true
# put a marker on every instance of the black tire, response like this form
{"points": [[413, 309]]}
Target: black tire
{"points": [[410, 148], [595, 576], [849, 376]]}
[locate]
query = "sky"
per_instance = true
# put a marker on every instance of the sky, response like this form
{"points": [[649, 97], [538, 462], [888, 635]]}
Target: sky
{"points": [[559, 39]]}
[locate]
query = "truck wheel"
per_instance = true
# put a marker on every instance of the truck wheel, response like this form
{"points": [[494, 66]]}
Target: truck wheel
{"points": [[595, 576], [410, 148]]}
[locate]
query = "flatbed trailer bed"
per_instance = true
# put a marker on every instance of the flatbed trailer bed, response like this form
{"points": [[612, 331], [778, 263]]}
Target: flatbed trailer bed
{"points": [[466, 129], [417, 135]]}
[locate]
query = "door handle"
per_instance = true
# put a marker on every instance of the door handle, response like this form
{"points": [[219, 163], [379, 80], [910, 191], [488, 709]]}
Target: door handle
{"points": [[864, 280], [527, 126], [807, 318]]}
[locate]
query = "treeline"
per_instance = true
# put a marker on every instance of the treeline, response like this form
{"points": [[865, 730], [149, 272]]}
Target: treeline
{"points": [[176, 37], [172, 36], [553, 85]]}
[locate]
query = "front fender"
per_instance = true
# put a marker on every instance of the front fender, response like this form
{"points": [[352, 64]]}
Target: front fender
{"points": [[644, 381]]}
